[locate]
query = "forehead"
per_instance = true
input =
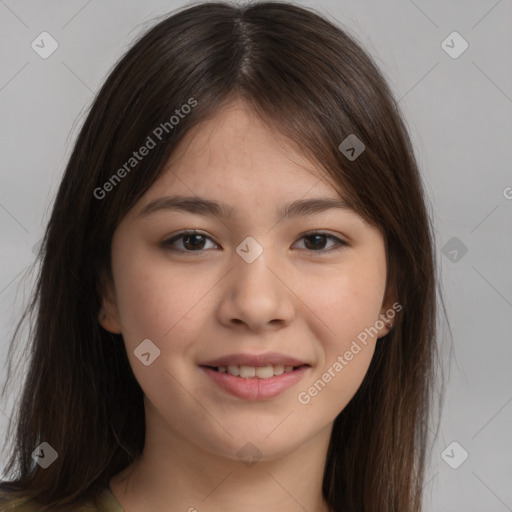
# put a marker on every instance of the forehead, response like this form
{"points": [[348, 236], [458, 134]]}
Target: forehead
{"points": [[235, 150]]}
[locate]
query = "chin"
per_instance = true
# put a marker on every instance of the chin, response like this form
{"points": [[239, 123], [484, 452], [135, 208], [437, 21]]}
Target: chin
{"points": [[266, 443]]}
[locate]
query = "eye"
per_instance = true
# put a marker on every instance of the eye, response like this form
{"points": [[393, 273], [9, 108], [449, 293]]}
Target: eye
{"points": [[317, 240], [194, 241]]}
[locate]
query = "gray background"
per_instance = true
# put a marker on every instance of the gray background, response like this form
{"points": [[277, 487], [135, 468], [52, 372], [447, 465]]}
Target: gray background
{"points": [[459, 114]]}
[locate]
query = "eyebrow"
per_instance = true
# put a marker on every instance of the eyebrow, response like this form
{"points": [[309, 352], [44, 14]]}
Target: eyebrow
{"points": [[207, 207]]}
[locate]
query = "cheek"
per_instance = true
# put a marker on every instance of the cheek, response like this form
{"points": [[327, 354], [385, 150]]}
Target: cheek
{"points": [[166, 306], [348, 345], [153, 302], [345, 301], [162, 307], [347, 307]]}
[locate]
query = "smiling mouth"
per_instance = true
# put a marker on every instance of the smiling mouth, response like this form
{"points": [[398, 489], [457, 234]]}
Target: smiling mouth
{"points": [[256, 372], [256, 382]]}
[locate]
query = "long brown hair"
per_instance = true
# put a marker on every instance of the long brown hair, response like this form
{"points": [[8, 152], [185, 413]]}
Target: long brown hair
{"points": [[309, 78]]}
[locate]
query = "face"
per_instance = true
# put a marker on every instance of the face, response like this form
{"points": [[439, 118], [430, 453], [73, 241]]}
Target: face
{"points": [[282, 300]]}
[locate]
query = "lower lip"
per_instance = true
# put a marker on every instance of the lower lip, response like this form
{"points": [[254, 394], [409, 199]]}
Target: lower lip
{"points": [[254, 388]]}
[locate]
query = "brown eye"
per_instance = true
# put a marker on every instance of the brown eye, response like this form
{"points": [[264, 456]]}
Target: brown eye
{"points": [[315, 242], [191, 241]]}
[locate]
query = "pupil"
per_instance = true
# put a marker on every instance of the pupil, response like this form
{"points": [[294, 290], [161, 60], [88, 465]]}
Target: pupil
{"points": [[192, 246], [322, 237]]}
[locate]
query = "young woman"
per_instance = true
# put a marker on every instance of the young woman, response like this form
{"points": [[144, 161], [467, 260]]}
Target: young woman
{"points": [[236, 308]]}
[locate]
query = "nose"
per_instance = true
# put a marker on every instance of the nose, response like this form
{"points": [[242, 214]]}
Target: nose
{"points": [[256, 296]]}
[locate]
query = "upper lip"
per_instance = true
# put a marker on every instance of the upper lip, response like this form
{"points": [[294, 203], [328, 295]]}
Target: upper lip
{"points": [[265, 359]]}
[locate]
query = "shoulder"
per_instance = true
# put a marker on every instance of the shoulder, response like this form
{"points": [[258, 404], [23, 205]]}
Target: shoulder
{"points": [[106, 502]]}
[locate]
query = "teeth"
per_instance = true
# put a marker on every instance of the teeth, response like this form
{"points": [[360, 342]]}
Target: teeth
{"points": [[233, 370], [278, 369], [264, 372], [261, 372], [247, 371]]}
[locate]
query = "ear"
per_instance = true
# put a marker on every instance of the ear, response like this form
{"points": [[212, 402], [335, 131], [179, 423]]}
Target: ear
{"points": [[108, 316], [388, 311]]}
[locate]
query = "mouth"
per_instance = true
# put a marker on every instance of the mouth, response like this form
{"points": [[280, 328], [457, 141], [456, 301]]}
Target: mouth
{"points": [[255, 377], [255, 372]]}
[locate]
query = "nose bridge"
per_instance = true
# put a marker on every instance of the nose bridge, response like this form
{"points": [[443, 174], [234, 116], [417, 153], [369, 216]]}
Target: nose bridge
{"points": [[252, 266], [255, 294]]}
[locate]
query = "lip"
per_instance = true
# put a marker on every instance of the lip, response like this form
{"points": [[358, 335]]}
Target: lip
{"points": [[254, 388], [264, 359]]}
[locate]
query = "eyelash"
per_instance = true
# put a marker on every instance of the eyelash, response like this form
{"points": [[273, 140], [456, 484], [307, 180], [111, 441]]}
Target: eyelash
{"points": [[167, 243]]}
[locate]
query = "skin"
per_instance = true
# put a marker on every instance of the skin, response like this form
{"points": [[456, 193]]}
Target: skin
{"points": [[209, 302]]}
